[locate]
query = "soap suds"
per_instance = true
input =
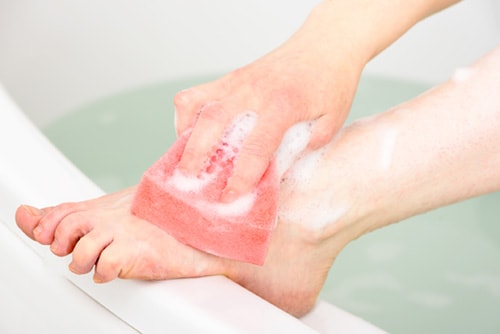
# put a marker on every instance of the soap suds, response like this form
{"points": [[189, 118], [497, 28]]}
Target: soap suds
{"points": [[462, 74], [187, 183], [239, 129], [223, 158], [306, 166], [292, 145], [387, 148], [239, 207], [314, 213]]}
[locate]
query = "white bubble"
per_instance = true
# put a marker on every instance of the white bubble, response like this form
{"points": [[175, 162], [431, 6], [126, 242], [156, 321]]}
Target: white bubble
{"points": [[292, 145], [304, 169], [185, 186], [462, 74], [239, 207], [239, 129], [187, 183], [387, 148]]}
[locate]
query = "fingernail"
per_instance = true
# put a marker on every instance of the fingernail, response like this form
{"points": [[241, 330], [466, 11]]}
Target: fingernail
{"points": [[32, 210], [229, 195]]}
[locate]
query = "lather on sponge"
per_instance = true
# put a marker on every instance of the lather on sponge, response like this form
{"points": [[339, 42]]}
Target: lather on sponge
{"points": [[189, 208]]}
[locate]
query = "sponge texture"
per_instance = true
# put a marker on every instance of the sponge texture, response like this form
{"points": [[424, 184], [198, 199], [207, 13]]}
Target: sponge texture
{"points": [[189, 208]]}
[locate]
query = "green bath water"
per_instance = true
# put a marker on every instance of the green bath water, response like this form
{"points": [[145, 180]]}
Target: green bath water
{"points": [[434, 273]]}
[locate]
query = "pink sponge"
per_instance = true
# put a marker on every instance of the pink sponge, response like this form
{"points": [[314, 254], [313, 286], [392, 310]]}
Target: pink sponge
{"points": [[189, 209]]}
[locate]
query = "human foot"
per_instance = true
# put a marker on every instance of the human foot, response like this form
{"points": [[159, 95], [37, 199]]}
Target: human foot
{"points": [[102, 234]]}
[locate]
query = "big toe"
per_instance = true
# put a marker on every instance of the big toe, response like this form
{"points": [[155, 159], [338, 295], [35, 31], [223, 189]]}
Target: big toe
{"points": [[27, 219]]}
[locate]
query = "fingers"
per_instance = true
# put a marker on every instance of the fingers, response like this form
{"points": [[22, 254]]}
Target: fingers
{"points": [[254, 157], [209, 128], [187, 105]]}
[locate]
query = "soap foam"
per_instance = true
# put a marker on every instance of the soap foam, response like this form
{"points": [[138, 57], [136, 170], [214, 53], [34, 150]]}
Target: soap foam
{"points": [[387, 148], [306, 165], [462, 74], [238, 207], [230, 144], [187, 183], [292, 145], [314, 213], [239, 129]]}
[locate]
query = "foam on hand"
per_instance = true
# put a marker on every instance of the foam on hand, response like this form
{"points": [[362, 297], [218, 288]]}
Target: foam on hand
{"points": [[189, 207], [292, 145]]}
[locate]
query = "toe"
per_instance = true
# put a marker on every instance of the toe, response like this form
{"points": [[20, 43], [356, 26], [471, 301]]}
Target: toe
{"points": [[69, 231], [44, 232], [28, 218], [88, 250], [110, 264]]}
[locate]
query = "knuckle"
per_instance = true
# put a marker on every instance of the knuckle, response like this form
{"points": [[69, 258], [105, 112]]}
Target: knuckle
{"points": [[183, 98], [192, 153], [257, 148], [212, 111], [264, 143], [321, 137]]}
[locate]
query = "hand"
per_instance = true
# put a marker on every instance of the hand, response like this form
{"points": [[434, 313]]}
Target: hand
{"points": [[292, 84]]}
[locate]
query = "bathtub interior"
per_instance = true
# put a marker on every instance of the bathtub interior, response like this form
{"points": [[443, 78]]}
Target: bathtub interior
{"points": [[37, 285], [57, 56], [435, 271]]}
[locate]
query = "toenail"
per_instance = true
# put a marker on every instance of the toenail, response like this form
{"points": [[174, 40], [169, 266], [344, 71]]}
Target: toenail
{"points": [[97, 279], [38, 230], [54, 246], [73, 268], [32, 210]]}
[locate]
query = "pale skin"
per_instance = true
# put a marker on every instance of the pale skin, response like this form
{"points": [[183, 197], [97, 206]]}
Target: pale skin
{"points": [[446, 148], [312, 76]]}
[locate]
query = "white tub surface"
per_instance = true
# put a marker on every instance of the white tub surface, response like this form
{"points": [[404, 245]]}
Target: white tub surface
{"points": [[39, 294]]}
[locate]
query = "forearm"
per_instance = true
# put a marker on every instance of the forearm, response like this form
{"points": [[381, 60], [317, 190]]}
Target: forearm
{"points": [[363, 28]]}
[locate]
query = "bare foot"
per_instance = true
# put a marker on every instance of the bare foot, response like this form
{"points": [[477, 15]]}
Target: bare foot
{"points": [[102, 233]]}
